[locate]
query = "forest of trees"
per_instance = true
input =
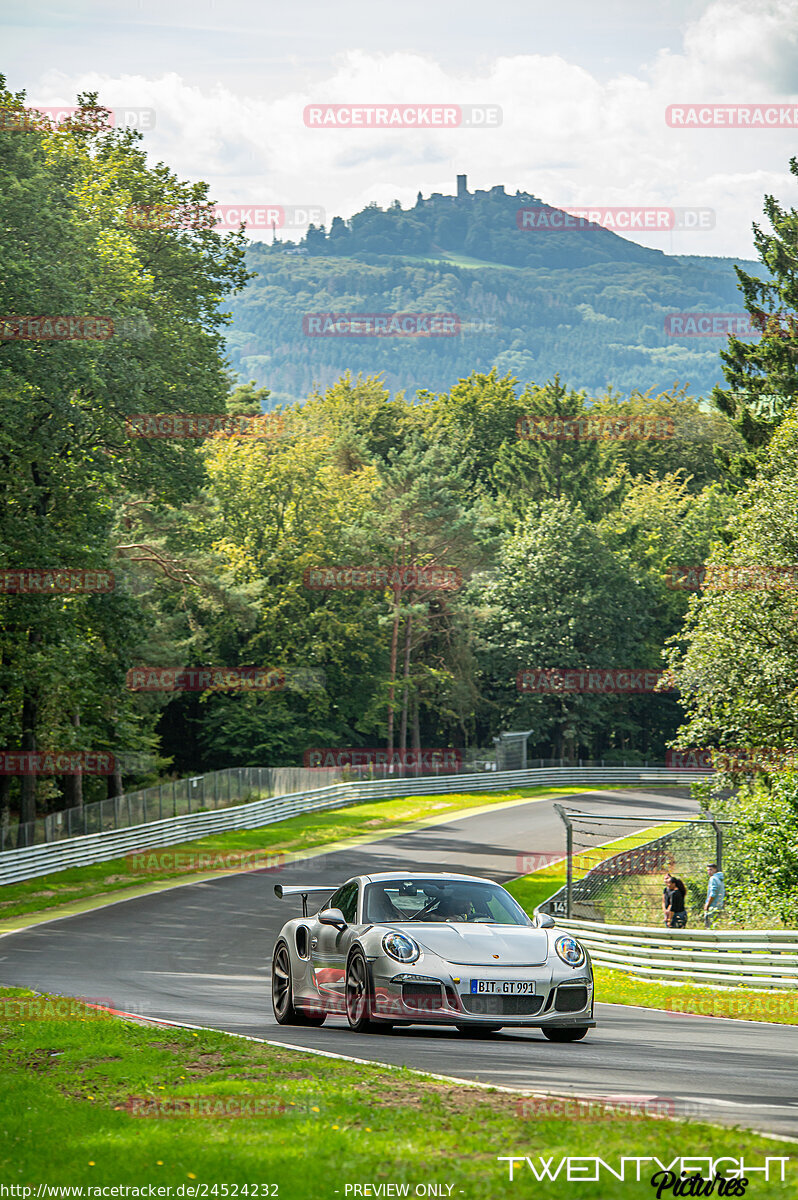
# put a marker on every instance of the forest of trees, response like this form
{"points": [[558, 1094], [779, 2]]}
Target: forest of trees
{"points": [[589, 305], [565, 549]]}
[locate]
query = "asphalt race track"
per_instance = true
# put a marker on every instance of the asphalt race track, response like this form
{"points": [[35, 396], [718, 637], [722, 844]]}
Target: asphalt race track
{"points": [[201, 954]]}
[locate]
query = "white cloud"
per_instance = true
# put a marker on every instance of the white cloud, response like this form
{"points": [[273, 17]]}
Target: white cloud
{"points": [[566, 136]]}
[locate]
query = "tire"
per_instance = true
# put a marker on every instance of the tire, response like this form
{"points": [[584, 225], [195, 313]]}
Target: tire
{"points": [[285, 1010], [477, 1030], [358, 995], [565, 1033]]}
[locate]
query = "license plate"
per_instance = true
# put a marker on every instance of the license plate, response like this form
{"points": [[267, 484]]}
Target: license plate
{"points": [[502, 987]]}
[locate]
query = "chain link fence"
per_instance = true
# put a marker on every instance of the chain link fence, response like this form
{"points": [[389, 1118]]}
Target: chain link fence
{"points": [[176, 798], [206, 793], [617, 877]]}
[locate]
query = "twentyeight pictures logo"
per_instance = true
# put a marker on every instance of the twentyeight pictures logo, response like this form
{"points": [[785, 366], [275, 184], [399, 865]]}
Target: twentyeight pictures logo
{"points": [[402, 116]]}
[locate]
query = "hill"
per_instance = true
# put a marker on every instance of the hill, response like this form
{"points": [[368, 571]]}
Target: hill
{"points": [[583, 302]]}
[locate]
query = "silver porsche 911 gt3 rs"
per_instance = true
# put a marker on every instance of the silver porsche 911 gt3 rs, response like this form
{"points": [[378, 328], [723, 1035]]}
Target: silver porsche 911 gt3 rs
{"points": [[394, 949]]}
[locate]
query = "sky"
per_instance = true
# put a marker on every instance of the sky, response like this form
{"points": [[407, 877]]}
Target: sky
{"points": [[582, 88]]}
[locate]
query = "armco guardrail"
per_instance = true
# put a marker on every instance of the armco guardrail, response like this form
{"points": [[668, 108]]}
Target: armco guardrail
{"points": [[177, 798], [29, 862], [756, 958]]}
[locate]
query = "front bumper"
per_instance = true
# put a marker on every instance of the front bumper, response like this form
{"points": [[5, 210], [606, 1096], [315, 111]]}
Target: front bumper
{"points": [[562, 997]]}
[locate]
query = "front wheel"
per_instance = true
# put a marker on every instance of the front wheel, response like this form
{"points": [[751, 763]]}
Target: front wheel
{"points": [[285, 1010], [358, 994], [574, 1033]]}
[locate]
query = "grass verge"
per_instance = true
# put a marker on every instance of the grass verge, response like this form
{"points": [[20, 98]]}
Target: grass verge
{"points": [[311, 831], [747, 1004], [81, 1098]]}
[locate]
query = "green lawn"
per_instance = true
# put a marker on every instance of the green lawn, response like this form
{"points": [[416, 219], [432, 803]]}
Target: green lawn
{"points": [[311, 831], [93, 1100], [747, 1004]]}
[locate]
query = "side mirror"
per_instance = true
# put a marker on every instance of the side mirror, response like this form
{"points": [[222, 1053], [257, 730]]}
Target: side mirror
{"points": [[544, 921], [334, 917]]}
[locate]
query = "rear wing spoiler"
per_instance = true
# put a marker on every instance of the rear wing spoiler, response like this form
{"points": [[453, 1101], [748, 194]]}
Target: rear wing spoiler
{"points": [[299, 890]]}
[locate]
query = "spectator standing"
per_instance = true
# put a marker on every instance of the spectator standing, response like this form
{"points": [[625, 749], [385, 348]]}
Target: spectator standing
{"points": [[716, 894], [673, 902]]}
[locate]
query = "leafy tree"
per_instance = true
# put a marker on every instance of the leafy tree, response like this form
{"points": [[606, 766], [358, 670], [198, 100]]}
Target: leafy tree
{"points": [[546, 463], [64, 448], [558, 597], [736, 661], [761, 376]]}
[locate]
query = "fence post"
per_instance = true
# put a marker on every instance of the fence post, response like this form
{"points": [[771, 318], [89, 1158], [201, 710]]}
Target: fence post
{"points": [[174, 797], [718, 841], [569, 848], [160, 802]]}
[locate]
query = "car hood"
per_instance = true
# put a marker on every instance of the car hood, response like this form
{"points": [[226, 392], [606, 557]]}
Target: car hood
{"points": [[482, 945]]}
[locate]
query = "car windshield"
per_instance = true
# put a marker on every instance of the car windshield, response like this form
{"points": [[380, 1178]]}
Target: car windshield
{"points": [[452, 900]]}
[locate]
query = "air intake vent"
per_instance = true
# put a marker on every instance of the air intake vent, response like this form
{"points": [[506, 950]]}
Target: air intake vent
{"points": [[422, 995], [501, 1006], [570, 999]]}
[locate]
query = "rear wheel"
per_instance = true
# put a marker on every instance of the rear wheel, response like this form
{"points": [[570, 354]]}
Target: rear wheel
{"points": [[285, 1010], [358, 995], [574, 1033], [477, 1030]]}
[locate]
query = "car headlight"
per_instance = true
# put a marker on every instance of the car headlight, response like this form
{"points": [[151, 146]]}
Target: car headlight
{"points": [[401, 947], [570, 951]]}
